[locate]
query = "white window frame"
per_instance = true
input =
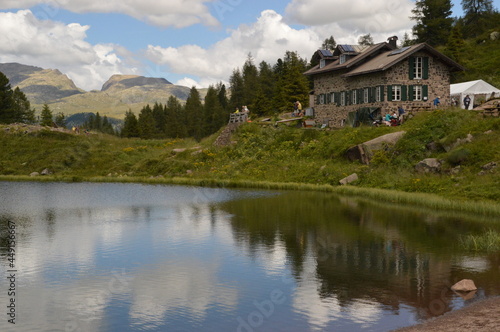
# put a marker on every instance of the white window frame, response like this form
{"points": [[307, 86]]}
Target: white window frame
{"points": [[342, 99], [322, 63], [322, 99], [332, 97], [354, 97], [343, 58], [396, 93], [417, 93], [418, 68], [366, 98], [378, 92]]}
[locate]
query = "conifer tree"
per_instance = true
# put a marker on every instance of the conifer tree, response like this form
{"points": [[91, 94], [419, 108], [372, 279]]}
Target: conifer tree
{"points": [[46, 116], [250, 82], [130, 125], [14, 105], [407, 41], [478, 16], [21, 108], [329, 44], [433, 21], [146, 123], [263, 103], [237, 98], [175, 126], [160, 119], [97, 123], [456, 45], [60, 120], [194, 113], [222, 95], [366, 40], [106, 126], [292, 85], [213, 117], [6, 111]]}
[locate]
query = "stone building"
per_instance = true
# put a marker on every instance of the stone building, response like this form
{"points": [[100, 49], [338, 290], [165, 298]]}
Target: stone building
{"points": [[381, 77]]}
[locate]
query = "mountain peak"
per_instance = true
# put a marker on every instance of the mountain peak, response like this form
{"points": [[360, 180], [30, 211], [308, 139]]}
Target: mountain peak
{"points": [[129, 81]]}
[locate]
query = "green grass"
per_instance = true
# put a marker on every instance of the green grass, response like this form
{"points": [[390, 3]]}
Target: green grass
{"points": [[283, 158], [487, 242]]}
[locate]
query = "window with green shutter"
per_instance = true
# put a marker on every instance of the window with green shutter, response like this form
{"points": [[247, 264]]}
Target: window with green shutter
{"points": [[425, 68], [404, 92], [411, 67], [425, 92], [411, 93], [389, 93]]}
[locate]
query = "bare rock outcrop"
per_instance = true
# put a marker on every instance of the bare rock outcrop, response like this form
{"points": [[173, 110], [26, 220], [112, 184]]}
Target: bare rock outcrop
{"points": [[429, 165], [364, 151], [351, 178]]}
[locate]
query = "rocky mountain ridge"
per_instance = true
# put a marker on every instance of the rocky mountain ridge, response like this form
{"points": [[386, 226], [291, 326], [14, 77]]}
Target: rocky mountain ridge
{"points": [[119, 94]]}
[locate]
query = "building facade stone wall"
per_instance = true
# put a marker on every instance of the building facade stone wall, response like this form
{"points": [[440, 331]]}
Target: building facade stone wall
{"points": [[438, 85]]}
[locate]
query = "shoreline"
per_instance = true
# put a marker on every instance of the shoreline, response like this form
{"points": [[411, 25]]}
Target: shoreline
{"points": [[422, 200], [412, 199], [481, 316]]}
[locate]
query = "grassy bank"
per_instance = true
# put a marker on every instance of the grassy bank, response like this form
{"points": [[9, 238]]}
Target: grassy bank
{"points": [[283, 158]]}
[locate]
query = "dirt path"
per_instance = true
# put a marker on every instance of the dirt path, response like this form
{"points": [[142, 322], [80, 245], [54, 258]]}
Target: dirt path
{"points": [[483, 316]]}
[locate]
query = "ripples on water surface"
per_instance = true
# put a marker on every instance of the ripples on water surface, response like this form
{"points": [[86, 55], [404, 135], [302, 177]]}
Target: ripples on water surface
{"points": [[130, 257]]}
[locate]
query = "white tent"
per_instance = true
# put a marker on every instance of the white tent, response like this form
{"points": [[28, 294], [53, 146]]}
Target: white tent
{"points": [[472, 88]]}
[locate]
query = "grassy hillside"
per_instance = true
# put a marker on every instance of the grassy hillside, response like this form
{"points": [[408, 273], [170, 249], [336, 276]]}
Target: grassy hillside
{"points": [[277, 155], [481, 58]]}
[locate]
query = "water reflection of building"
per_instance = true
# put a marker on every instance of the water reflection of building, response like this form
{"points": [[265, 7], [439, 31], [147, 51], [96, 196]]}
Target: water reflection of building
{"points": [[389, 256]]}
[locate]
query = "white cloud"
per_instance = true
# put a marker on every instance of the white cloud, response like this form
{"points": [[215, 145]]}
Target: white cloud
{"points": [[346, 20], [48, 44], [189, 82], [177, 13], [381, 15], [267, 40]]}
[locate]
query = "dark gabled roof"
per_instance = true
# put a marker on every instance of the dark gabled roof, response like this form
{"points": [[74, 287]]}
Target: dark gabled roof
{"points": [[364, 52], [385, 60], [326, 53], [380, 57]]}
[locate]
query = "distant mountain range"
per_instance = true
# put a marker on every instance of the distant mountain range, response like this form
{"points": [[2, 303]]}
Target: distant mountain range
{"points": [[119, 94]]}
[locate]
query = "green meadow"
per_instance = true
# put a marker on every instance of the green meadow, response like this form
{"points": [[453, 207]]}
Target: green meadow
{"points": [[282, 157]]}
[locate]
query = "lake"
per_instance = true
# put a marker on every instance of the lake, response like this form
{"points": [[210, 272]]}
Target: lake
{"points": [[131, 257]]}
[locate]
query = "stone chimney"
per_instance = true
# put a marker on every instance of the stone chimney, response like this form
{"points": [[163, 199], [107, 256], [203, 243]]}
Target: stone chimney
{"points": [[393, 41]]}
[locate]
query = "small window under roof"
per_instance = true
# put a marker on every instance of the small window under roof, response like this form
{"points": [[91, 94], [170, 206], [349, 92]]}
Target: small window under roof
{"points": [[399, 51], [326, 52]]}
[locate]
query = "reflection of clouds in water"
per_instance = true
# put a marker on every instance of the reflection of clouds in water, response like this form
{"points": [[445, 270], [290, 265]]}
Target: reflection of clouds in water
{"points": [[69, 239], [78, 305], [320, 310], [176, 285], [274, 259], [190, 225], [364, 312], [474, 264], [307, 301]]}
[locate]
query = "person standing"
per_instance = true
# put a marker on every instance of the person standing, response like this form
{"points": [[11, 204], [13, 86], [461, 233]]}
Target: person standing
{"points": [[466, 102], [299, 107], [401, 113], [437, 102]]}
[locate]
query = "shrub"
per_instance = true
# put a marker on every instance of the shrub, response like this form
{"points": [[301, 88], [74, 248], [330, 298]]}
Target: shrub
{"points": [[458, 156]]}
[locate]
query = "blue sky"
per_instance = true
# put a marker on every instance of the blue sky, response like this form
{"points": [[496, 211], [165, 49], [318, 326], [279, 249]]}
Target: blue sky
{"points": [[188, 42]]}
